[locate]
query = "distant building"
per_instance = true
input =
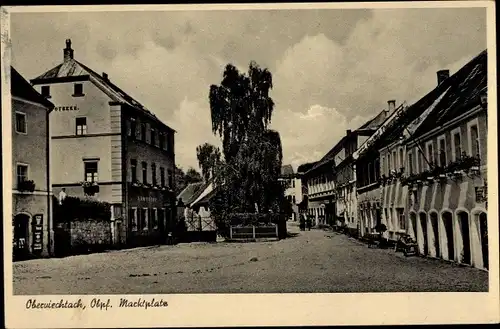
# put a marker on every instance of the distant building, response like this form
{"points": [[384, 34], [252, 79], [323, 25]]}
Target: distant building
{"points": [[327, 183], [293, 189], [31, 186], [107, 145], [301, 170]]}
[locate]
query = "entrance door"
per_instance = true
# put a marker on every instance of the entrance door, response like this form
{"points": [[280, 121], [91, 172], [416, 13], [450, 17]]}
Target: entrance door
{"points": [[435, 231], [448, 227], [413, 222], [463, 218], [423, 239], [21, 232], [483, 228]]}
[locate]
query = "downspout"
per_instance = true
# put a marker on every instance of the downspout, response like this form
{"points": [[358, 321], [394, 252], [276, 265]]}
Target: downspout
{"points": [[49, 187]]}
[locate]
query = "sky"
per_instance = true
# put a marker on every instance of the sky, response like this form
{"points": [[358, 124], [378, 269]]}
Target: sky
{"points": [[333, 69]]}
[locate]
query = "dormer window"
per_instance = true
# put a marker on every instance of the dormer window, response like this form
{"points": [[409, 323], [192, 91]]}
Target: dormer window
{"points": [[78, 90], [153, 137], [46, 91]]}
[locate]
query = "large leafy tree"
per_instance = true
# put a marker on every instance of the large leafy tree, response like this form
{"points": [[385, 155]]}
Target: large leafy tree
{"points": [[249, 165]]}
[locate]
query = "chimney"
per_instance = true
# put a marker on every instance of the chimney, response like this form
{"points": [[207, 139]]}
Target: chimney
{"points": [[68, 52], [348, 132], [442, 75], [105, 76], [391, 106]]}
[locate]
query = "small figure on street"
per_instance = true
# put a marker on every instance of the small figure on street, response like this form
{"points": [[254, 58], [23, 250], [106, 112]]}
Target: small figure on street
{"points": [[302, 223], [309, 224]]}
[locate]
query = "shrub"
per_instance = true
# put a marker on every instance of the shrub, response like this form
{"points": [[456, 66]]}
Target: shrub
{"points": [[73, 208]]}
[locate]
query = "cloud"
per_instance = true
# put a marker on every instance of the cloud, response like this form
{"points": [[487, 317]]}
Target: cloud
{"points": [[307, 137], [332, 69]]}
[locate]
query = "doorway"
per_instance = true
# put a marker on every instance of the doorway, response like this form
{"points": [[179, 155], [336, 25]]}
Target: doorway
{"points": [[463, 222], [413, 223], [448, 228], [423, 238], [21, 234], [435, 235], [483, 230]]}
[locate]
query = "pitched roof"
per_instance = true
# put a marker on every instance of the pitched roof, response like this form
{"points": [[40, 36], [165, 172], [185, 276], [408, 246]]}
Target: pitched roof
{"points": [[287, 170], [305, 167], [370, 125], [465, 87], [20, 87], [73, 68], [191, 192], [375, 122]]}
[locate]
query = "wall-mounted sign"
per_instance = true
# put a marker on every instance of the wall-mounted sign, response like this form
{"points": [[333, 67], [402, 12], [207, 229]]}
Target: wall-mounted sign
{"points": [[38, 232], [481, 195], [66, 108], [147, 199]]}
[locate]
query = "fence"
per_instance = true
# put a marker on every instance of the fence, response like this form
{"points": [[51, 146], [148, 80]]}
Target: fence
{"points": [[253, 232]]}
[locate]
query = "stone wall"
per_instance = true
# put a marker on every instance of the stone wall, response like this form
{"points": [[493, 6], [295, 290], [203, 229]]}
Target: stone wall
{"points": [[90, 235]]}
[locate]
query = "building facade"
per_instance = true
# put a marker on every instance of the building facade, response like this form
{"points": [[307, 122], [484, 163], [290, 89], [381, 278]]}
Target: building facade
{"points": [[109, 146], [292, 186], [447, 205], [31, 186]]}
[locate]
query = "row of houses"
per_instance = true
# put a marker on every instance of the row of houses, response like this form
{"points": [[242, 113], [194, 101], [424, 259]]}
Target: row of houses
{"points": [[419, 169], [76, 133]]}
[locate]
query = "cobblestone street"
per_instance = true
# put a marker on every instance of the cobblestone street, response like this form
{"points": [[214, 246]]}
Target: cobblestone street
{"points": [[312, 261]]}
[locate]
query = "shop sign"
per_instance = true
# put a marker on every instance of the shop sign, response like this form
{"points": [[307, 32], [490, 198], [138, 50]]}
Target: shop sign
{"points": [[147, 199], [38, 232]]}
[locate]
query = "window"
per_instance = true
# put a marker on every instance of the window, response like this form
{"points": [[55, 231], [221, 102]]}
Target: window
{"points": [[383, 166], [143, 132], [81, 126], [162, 176], [144, 173], [170, 179], [161, 140], [387, 219], [293, 183], [161, 216], [145, 219], [394, 160], [132, 214], [422, 160], [442, 151], [401, 159], [21, 126], [376, 170], [154, 218], [153, 173], [78, 89], [133, 128], [46, 91], [368, 177], [401, 218], [389, 168], [430, 154], [457, 144], [474, 140], [22, 173], [91, 171], [165, 146], [293, 199], [133, 170], [153, 136], [410, 163]]}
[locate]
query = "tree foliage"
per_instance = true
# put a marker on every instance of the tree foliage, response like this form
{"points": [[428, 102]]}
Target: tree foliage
{"points": [[246, 171], [209, 159], [183, 179]]}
